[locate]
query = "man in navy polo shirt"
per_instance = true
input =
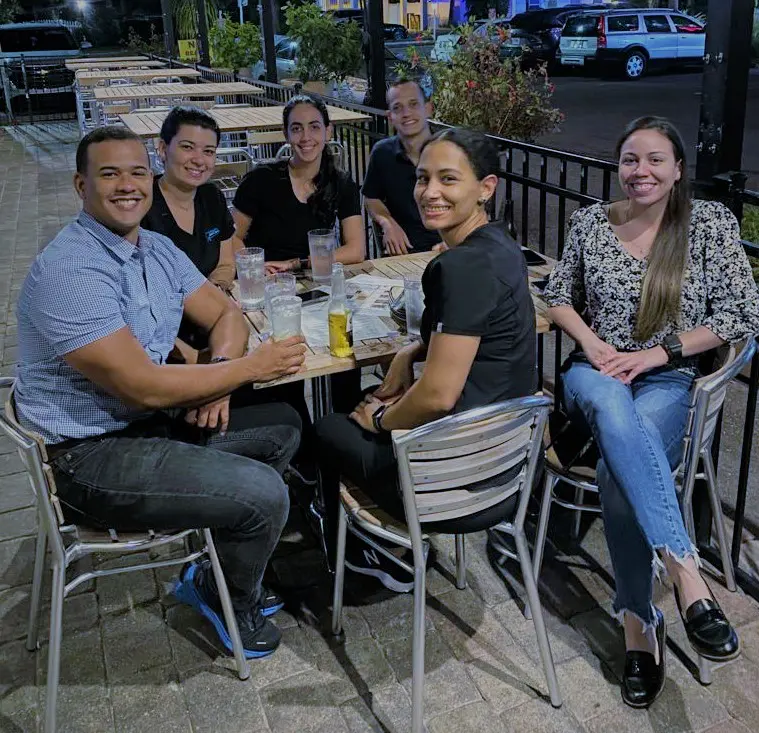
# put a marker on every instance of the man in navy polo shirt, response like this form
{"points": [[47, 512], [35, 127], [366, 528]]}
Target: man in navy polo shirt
{"points": [[98, 315], [391, 175]]}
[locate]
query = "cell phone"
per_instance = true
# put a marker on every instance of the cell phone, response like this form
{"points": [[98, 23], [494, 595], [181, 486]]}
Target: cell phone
{"points": [[532, 257], [313, 295]]}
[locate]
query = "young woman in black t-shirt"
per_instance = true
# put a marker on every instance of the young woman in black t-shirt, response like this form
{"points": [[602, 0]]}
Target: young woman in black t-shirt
{"points": [[478, 338], [187, 208], [278, 203]]}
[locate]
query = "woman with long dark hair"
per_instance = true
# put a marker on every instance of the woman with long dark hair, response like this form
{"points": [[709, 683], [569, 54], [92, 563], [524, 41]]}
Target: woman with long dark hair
{"points": [[645, 285], [278, 203], [478, 340]]}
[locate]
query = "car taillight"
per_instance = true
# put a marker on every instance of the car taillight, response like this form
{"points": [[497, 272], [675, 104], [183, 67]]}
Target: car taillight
{"points": [[601, 33]]}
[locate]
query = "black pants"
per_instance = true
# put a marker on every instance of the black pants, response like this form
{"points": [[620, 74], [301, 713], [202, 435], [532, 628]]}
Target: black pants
{"points": [[161, 473]]}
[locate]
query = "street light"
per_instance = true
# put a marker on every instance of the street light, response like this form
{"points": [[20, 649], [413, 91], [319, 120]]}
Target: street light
{"points": [[81, 5]]}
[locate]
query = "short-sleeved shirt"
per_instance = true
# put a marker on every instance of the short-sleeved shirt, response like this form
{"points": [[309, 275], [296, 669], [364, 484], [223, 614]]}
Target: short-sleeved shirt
{"points": [[213, 225], [280, 223], [479, 288], [85, 285], [391, 177]]}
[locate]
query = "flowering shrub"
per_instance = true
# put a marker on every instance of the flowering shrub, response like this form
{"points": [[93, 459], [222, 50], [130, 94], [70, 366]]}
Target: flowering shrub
{"points": [[480, 89]]}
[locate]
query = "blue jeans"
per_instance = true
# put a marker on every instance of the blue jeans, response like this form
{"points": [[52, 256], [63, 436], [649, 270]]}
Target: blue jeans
{"points": [[161, 473], [639, 431]]}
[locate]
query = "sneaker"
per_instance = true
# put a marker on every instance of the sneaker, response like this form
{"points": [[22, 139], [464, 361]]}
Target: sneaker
{"points": [[271, 602], [366, 560], [260, 637]]}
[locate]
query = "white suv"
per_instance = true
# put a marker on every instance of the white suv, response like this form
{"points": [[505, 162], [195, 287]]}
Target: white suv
{"points": [[632, 40]]}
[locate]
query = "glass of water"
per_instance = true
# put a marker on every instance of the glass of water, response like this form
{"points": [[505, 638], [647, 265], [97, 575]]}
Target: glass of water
{"points": [[413, 298], [285, 316], [321, 247], [281, 283], [250, 276]]}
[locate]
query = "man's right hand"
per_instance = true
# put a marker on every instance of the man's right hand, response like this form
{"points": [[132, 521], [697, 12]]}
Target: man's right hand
{"points": [[394, 239], [274, 359]]}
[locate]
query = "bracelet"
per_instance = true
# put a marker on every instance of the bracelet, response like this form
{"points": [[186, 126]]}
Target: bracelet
{"points": [[377, 419], [218, 359]]}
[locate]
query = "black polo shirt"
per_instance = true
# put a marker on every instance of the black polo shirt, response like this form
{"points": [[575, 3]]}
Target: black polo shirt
{"points": [[480, 289], [213, 225], [391, 177], [280, 222]]}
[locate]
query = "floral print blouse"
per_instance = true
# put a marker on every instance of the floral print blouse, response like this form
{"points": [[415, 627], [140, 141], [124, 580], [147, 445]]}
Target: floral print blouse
{"points": [[602, 281]]}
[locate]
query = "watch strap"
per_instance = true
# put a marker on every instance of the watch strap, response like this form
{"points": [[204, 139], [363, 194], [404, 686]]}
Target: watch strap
{"points": [[377, 419], [219, 359], [673, 346]]}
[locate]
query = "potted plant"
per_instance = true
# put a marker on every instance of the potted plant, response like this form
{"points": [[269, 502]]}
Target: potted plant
{"points": [[328, 52], [234, 46]]}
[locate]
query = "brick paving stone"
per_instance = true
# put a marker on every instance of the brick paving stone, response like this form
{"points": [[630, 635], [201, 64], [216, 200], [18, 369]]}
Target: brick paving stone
{"points": [[18, 678], [21, 721], [16, 562], [301, 704], [120, 593], [587, 686], [474, 718], [294, 657], [10, 463], [622, 719], [384, 711], [728, 726], [21, 523], [17, 493], [736, 686], [538, 716], [319, 634]]}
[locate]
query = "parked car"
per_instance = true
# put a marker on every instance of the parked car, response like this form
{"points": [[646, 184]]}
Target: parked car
{"points": [[286, 55], [393, 31], [632, 40]]}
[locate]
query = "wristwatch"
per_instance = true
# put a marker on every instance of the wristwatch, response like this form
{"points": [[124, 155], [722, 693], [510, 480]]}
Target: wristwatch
{"points": [[673, 346], [377, 419], [218, 359]]}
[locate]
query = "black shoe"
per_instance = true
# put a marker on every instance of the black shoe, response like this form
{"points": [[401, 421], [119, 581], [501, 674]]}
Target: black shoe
{"points": [[271, 601], [363, 559], [643, 678], [709, 632]]}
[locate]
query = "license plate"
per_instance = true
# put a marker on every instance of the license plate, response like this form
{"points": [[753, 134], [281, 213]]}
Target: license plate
{"points": [[578, 44], [572, 60]]}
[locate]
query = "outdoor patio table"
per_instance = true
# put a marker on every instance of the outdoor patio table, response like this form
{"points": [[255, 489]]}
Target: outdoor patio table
{"points": [[141, 92], [113, 63], [90, 78]]}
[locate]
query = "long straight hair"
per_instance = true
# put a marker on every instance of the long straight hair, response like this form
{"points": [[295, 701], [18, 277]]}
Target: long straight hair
{"points": [[662, 284]]}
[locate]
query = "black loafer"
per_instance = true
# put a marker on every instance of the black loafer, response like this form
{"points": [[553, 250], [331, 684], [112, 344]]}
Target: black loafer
{"points": [[709, 632], [643, 678]]}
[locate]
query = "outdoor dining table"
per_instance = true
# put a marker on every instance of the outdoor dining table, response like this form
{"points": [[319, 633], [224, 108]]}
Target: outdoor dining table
{"points": [[176, 90], [114, 63], [237, 119], [86, 77]]}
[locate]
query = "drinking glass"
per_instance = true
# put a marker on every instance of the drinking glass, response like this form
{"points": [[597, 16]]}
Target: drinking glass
{"points": [[285, 316], [250, 276], [321, 247], [413, 298], [281, 283]]}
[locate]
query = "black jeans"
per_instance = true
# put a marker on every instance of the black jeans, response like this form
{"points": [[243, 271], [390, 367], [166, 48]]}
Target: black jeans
{"points": [[161, 473]]}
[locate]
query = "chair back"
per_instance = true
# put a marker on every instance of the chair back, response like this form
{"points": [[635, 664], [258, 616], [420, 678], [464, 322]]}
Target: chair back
{"points": [[440, 461], [336, 148]]}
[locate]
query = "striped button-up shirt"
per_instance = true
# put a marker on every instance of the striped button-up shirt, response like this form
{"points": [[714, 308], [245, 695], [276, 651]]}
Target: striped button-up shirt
{"points": [[85, 285]]}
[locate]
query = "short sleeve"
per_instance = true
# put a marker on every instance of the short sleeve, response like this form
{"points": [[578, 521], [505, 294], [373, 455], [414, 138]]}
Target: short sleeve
{"points": [[373, 188], [75, 303], [733, 299], [349, 199], [249, 192], [458, 300], [566, 282]]}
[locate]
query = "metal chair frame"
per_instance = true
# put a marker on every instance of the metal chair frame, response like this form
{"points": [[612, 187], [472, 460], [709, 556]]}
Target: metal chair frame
{"points": [[435, 462], [707, 399], [69, 543]]}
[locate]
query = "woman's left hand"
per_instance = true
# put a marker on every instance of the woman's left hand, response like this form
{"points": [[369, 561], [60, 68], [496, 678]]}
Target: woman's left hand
{"points": [[364, 412], [274, 266], [627, 366]]}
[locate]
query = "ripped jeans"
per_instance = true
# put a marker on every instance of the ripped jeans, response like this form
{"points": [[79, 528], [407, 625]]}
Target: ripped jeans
{"points": [[639, 431]]}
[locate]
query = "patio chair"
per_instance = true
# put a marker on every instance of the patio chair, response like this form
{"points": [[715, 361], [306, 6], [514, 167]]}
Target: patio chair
{"points": [[336, 148], [69, 543], [436, 465], [707, 398], [231, 166]]}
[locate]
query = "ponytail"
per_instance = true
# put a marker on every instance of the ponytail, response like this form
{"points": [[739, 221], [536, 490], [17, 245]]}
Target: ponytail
{"points": [[323, 201]]}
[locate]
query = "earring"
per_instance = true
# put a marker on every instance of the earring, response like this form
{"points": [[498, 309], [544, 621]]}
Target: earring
{"points": [[481, 202]]}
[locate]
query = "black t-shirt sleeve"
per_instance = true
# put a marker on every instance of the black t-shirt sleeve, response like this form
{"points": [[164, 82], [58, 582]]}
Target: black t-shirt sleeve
{"points": [[249, 192], [458, 299], [373, 188], [348, 198]]}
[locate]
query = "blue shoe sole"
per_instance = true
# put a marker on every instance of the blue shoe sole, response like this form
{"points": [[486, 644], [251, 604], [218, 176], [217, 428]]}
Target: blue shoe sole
{"points": [[271, 610], [186, 592]]}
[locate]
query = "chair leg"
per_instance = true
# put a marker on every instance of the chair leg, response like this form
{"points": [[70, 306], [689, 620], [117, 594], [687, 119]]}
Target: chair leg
{"points": [[545, 513], [704, 671], [337, 597], [243, 669], [719, 522], [417, 650], [577, 518], [54, 651], [460, 562], [32, 632], [537, 618]]}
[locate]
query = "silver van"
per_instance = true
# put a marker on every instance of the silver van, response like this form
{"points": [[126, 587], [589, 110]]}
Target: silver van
{"points": [[632, 41]]}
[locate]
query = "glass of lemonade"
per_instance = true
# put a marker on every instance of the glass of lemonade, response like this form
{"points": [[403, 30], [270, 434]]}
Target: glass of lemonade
{"points": [[250, 276], [321, 248], [285, 316]]}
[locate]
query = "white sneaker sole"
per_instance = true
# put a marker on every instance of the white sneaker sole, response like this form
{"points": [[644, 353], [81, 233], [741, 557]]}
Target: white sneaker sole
{"points": [[386, 579]]}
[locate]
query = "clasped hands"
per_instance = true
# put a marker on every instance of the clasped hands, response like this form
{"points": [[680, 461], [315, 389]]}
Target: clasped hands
{"points": [[624, 366]]}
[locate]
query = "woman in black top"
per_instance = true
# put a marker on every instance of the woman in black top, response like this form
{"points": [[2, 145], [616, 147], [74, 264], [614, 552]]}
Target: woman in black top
{"points": [[278, 203], [478, 336], [187, 208]]}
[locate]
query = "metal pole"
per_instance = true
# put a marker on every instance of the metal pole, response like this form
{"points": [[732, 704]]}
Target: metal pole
{"points": [[375, 26], [724, 90], [267, 33], [203, 50], [168, 28]]}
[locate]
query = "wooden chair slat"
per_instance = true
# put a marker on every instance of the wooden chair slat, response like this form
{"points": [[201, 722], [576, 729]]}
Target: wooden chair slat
{"points": [[466, 505]]}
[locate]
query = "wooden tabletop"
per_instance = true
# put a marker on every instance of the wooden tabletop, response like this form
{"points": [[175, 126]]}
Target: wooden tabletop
{"points": [[177, 90], [113, 63], [88, 78], [237, 119], [319, 362]]}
